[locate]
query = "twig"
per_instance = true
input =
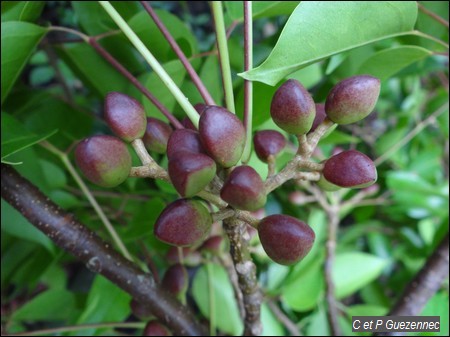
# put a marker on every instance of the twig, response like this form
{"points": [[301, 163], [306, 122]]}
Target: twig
{"points": [[424, 285], [227, 263], [99, 257], [176, 48], [246, 271], [281, 316], [133, 80], [432, 15]]}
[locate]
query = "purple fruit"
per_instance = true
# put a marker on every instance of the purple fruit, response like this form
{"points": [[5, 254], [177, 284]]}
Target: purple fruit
{"points": [[244, 189], [191, 172], [191, 257], [214, 245], [154, 328], [352, 99], [350, 169], [293, 108], [320, 116], [184, 140], [285, 239], [268, 143], [222, 135], [156, 135], [104, 160], [141, 311], [175, 280], [125, 116], [185, 222]]}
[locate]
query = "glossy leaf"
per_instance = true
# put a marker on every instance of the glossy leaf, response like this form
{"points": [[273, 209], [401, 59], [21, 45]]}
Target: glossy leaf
{"points": [[226, 310], [319, 29], [388, 62], [18, 42], [260, 8], [21, 10], [354, 270]]}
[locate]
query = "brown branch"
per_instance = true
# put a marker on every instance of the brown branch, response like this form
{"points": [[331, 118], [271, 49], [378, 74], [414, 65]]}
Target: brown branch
{"points": [[176, 48], [246, 271], [75, 238], [424, 285], [432, 15]]}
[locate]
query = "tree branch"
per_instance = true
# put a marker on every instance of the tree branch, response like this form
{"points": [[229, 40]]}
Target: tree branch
{"points": [[99, 257]]}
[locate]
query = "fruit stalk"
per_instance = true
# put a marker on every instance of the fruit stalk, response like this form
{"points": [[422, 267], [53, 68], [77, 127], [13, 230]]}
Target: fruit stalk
{"points": [[99, 257]]}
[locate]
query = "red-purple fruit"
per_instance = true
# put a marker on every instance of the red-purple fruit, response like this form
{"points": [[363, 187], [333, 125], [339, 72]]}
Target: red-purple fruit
{"points": [[154, 328], [222, 135], [214, 245], [350, 169], [156, 135], [293, 108], [352, 99], [268, 143], [189, 257], [285, 239], [187, 123], [185, 222], [244, 189], [190, 172], [104, 160], [175, 280], [184, 140], [141, 311], [320, 116], [125, 116]]}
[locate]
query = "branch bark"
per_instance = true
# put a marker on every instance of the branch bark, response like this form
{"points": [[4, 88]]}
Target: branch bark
{"points": [[99, 257]]}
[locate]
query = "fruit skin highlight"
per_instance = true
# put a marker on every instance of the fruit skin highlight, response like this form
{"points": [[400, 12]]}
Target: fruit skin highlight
{"points": [[125, 116], [104, 160], [351, 169], [293, 108], [352, 99], [185, 222], [285, 239]]}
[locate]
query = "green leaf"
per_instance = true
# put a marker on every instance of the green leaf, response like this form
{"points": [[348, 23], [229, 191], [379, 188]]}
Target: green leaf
{"points": [[15, 137], [270, 323], [225, 309], [319, 29], [55, 304], [388, 62], [367, 310], [260, 9], [18, 42], [354, 270], [21, 10]]}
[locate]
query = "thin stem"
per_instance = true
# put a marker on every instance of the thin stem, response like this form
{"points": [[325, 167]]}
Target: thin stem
{"points": [[227, 263], [109, 227], [429, 37], [248, 85], [285, 320], [314, 137], [133, 80], [224, 57], [70, 31], [414, 132], [153, 62], [176, 48], [432, 15], [271, 166], [248, 218], [309, 176], [223, 214], [141, 151], [73, 328], [149, 171], [212, 301]]}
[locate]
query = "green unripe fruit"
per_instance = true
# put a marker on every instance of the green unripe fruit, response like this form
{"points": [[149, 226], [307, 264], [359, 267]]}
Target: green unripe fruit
{"points": [[222, 135], [325, 185], [352, 99], [156, 135], [104, 160], [351, 169], [185, 222], [125, 116], [293, 108], [244, 189], [285, 239]]}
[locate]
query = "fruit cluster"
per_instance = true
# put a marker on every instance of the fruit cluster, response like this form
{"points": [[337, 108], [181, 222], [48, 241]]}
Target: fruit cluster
{"points": [[207, 159]]}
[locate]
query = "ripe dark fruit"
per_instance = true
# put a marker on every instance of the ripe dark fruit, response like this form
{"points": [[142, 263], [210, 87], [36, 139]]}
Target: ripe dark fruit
{"points": [[285, 239], [293, 108], [191, 172], [175, 279], [268, 143], [320, 116], [125, 116], [184, 222], [140, 310], [200, 107], [214, 245], [222, 135], [154, 328], [244, 189], [184, 140], [104, 160], [352, 99], [350, 169], [156, 135], [190, 257]]}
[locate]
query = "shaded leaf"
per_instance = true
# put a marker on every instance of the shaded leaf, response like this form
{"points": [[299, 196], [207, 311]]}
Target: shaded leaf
{"points": [[260, 9], [21, 10], [18, 42], [319, 29]]}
